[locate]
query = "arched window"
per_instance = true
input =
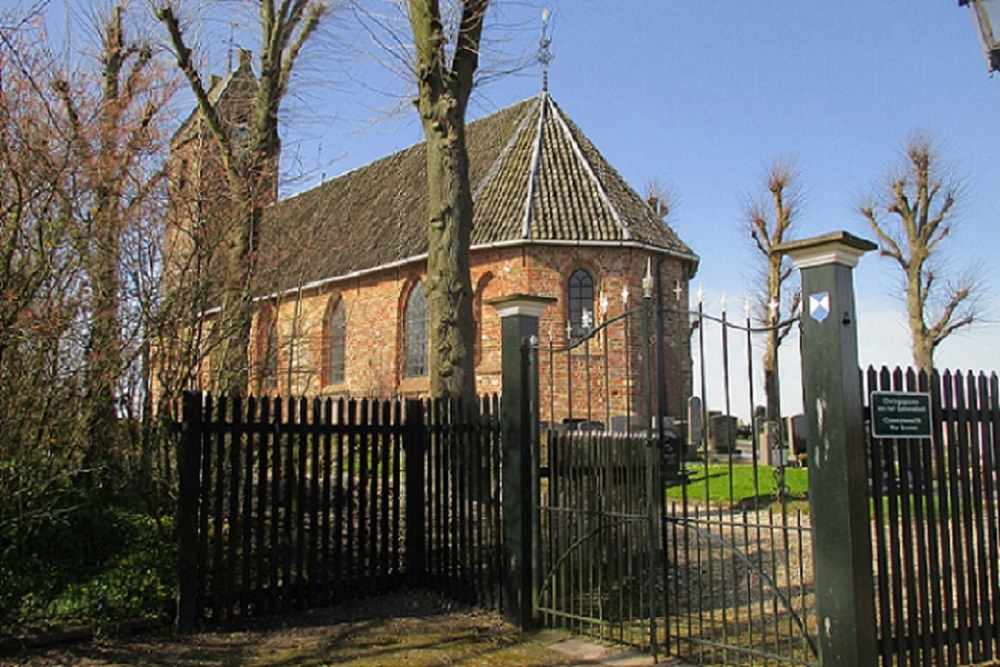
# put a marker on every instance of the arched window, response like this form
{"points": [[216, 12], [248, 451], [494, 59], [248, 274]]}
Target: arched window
{"points": [[267, 350], [580, 302], [415, 321], [477, 316], [334, 338]]}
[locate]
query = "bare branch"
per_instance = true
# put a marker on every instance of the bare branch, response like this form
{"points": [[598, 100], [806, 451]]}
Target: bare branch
{"points": [[944, 327], [166, 16], [771, 221], [921, 204]]}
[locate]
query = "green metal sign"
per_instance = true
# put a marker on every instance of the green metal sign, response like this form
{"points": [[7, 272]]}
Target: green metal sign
{"points": [[900, 414]]}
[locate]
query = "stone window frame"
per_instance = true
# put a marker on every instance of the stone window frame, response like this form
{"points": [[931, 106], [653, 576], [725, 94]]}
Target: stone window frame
{"points": [[415, 336], [334, 342], [482, 284], [577, 304]]}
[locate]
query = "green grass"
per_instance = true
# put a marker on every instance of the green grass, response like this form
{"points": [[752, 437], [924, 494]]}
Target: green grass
{"points": [[726, 484], [717, 489]]}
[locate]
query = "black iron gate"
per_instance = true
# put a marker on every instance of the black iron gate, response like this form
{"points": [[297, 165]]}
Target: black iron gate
{"points": [[602, 570], [658, 533], [602, 566], [741, 585]]}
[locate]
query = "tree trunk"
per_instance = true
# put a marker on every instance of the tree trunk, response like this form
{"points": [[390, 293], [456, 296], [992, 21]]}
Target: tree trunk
{"points": [[443, 97], [103, 356], [922, 341], [251, 175], [231, 368], [103, 252], [772, 382], [449, 285]]}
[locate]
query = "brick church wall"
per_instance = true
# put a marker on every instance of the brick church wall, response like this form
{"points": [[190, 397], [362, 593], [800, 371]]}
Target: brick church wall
{"points": [[374, 307]]}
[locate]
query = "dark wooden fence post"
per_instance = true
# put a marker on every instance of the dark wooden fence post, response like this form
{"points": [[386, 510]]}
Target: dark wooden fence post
{"points": [[519, 323], [189, 468], [415, 450], [838, 478]]}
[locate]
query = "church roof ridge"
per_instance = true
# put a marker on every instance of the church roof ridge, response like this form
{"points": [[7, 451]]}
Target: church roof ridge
{"points": [[602, 192], [535, 178]]}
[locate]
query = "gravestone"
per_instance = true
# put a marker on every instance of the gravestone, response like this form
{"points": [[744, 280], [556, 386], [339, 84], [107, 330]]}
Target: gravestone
{"points": [[771, 448], [796, 427], [722, 435]]}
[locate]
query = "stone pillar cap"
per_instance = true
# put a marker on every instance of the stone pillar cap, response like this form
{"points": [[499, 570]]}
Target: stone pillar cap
{"points": [[834, 248], [521, 304]]}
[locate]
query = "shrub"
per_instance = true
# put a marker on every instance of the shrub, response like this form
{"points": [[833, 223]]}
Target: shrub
{"points": [[91, 562]]}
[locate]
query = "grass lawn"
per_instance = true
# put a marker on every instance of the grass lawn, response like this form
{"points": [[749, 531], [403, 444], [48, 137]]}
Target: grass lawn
{"points": [[726, 485]]}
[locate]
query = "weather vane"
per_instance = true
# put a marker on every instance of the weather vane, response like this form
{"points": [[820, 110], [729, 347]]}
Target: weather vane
{"points": [[232, 39], [545, 55]]}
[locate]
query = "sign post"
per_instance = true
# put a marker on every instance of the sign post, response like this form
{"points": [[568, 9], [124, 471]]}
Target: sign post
{"points": [[838, 479], [897, 414]]}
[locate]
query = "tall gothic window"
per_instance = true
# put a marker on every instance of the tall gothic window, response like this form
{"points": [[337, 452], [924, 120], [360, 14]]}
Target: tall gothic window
{"points": [[267, 350], [415, 319], [334, 337], [477, 316], [581, 303]]}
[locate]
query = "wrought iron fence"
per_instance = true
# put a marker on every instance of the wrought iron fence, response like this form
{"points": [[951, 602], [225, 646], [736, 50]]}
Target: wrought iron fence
{"points": [[712, 558], [740, 540]]}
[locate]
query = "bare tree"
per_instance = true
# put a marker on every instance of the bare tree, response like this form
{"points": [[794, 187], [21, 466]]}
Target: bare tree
{"points": [[661, 198], [249, 162], [114, 129], [911, 217], [771, 220], [446, 61], [41, 305]]}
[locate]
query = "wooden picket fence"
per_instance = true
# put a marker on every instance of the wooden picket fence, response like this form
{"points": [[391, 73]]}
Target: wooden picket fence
{"points": [[937, 524], [288, 505]]}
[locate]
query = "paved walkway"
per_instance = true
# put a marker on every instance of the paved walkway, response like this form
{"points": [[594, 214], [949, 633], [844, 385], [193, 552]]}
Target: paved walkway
{"points": [[589, 652]]}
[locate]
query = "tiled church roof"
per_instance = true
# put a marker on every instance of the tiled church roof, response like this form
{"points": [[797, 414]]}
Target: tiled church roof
{"points": [[535, 178]]}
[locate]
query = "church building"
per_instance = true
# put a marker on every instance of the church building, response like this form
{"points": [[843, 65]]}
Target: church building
{"points": [[340, 304]]}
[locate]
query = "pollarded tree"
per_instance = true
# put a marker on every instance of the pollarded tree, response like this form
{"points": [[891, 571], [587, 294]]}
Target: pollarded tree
{"points": [[113, 120], [771, 221], [446, 61], [661, 198], [910, 218], [249, 160]]}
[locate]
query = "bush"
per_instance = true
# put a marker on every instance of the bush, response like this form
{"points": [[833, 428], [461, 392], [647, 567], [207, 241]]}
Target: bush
{"points": [[89, 562]]}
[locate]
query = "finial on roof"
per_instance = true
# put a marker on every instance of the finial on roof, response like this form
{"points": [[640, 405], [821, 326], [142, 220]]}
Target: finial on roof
{"points": [[545, 54]]}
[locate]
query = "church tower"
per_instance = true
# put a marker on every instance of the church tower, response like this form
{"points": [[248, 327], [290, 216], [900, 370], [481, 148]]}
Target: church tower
{"points": [[200, 222]]}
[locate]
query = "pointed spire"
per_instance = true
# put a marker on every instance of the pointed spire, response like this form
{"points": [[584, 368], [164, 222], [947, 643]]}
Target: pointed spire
{"points": [[545, 54]]}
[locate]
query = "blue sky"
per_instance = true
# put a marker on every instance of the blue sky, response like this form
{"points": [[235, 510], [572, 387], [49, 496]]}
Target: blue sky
{"points": [[703, 96]]}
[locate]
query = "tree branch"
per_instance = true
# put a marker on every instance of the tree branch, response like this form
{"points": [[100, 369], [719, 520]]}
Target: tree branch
{"points": [[165, 15], [887, 246], [469, 38], [944, 326]]}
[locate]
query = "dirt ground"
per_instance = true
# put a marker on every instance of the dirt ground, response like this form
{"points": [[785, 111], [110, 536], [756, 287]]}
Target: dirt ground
{"points": [[415, 629]]}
